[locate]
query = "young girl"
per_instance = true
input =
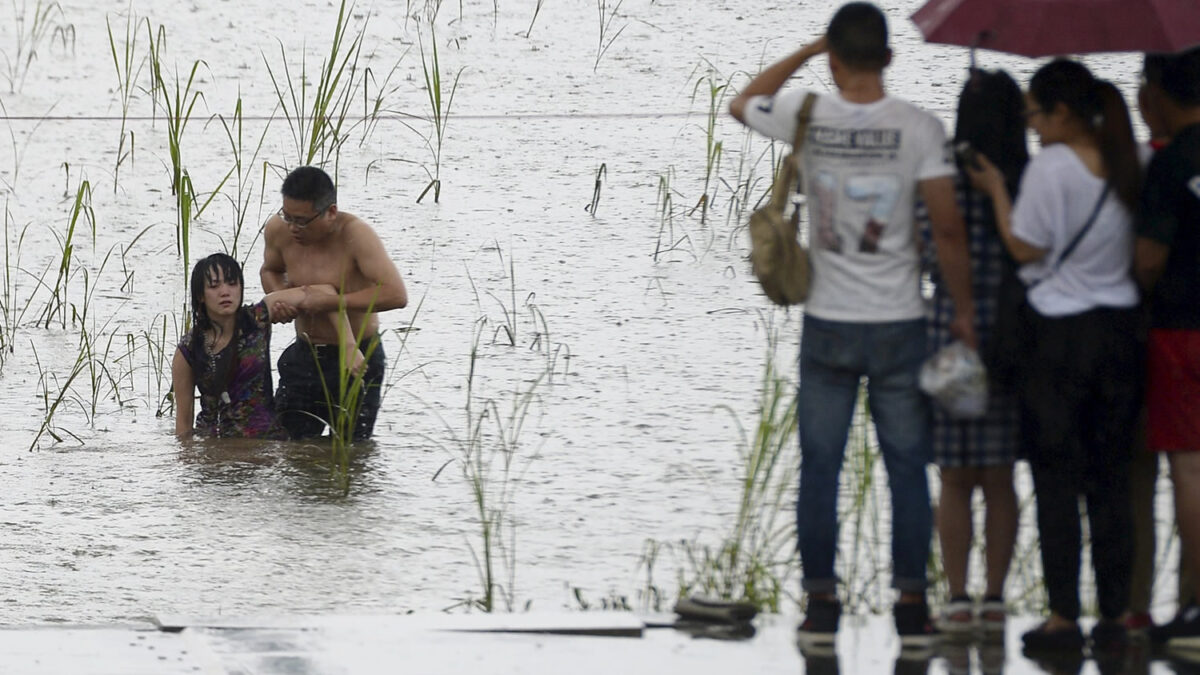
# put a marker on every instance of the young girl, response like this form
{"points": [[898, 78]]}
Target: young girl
{"points": [[226, 355], [979, 453]]}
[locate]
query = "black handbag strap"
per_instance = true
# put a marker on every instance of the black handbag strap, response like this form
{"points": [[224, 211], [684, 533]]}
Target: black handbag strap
{"points": [[1078, 235]]}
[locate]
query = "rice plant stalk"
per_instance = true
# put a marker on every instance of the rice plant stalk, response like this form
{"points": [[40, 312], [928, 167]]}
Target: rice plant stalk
{"points": [[318, 124], [601, 174], [712, 146], [56, 305], [440, 102], [537, 9], [178, 101], [128, 67], [755, 559], [607, 14], [243, 173], [30, 30]]}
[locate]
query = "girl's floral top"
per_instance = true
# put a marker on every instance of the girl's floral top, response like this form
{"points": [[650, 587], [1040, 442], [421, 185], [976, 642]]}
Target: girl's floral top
{"points": [[249, 411]]}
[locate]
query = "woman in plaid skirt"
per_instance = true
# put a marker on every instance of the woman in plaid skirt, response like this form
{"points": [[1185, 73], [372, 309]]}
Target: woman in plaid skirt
{"points": [[979, 453]]}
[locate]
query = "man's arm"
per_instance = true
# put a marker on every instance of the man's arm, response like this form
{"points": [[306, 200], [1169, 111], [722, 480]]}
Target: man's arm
{"points": [[771, 80], [950, 239], [1149, 261], [386, 290], [273, 271]]}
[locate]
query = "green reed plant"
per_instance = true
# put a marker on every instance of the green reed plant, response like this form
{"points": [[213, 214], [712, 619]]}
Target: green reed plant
{"points": [[242, 171], [32, 27], [128, 64], [178, 99], [667, 241], [715, 89], [47, 381], [601, 173], [537, 9], [488, 449], [441, 100], [81, 207], [608, 13], [756, 557], [19, 147], [317, 115]]}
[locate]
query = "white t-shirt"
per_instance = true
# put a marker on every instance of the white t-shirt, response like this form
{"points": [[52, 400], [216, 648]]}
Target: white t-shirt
{"points": [[861, 165], [1058, 193]]}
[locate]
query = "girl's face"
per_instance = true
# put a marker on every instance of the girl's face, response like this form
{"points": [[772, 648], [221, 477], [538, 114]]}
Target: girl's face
{"points": [[222, 297], [1048, 124]]}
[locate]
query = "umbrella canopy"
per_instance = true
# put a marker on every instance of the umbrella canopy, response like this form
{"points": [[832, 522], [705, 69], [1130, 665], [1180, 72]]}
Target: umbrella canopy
{"points": [[1051, 27]]}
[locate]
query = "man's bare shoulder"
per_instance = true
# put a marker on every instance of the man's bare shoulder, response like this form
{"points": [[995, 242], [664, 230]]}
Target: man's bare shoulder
{"points": [[275, 231], [357, 231]]}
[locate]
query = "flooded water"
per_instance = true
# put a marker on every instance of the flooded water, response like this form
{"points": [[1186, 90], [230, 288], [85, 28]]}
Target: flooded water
{"points": [[638, 335]]}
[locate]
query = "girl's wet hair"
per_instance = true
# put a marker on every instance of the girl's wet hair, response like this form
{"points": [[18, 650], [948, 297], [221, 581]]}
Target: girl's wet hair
{"points": [[990, 119], [1101, 108], [206, 270]]}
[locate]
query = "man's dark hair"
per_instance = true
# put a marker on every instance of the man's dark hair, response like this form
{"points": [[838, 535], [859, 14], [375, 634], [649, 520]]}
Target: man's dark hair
{"points": [[858, 36], [1178, 75], [310, 184]]}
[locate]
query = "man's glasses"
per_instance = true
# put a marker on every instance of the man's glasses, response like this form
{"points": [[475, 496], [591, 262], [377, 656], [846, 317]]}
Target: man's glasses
{"points": [[300, 223]]}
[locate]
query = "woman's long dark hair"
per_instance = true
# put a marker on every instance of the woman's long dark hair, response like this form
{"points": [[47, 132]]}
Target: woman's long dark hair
{"points": [[990, 121], [1099, 105], [217, 265]]}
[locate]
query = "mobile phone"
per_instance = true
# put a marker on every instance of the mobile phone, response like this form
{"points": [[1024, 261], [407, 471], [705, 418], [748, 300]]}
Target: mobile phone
{"points": [[967, 154]]}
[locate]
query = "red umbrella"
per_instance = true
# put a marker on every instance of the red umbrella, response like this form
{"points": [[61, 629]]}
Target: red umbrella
{"points": [[1051, 27]]}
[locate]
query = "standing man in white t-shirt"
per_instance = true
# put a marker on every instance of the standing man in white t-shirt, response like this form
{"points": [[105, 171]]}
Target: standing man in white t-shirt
{"points": [[866, 159]]}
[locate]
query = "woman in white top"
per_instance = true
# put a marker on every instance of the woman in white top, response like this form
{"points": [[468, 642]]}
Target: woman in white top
{"points": [[1080, 386]]}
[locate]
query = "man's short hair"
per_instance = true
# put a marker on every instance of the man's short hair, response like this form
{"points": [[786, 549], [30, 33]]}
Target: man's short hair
{"points": [[858, 36], [309, 184], [1177, 75]]}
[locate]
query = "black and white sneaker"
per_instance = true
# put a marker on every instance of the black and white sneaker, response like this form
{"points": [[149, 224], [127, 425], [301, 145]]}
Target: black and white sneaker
{"points": [[914, 626], [820, 623], [1182, 631]]}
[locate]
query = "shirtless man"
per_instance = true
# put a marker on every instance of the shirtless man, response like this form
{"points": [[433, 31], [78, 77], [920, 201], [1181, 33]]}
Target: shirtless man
{"points": [[310, 241]]}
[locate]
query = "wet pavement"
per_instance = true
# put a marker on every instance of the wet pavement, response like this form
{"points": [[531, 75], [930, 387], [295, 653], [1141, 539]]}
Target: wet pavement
{"points": [[576, 642]]}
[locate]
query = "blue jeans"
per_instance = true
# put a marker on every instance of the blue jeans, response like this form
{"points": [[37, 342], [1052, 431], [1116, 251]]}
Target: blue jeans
{"points": [[834, 357]]}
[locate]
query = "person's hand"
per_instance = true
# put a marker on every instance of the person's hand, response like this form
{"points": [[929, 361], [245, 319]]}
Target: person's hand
{"points": [[962, 327], [984, 175], [282, 312], [358, 363]]}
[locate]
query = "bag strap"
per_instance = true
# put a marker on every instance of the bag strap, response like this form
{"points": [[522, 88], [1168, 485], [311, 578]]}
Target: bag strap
{"points": [[1078, 235], [1086, 226], [788, 174]]}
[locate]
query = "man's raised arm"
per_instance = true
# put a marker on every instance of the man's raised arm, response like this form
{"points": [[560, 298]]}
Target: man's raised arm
{"points": [[771, 80]]}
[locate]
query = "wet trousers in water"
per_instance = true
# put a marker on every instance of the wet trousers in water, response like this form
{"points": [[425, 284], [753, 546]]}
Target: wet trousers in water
{"points": [[300, 400], [1081, 391], [834, 357]]}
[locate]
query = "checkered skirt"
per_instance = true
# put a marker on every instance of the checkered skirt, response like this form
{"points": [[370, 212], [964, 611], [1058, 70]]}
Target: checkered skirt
{"points": [[994, 439]]}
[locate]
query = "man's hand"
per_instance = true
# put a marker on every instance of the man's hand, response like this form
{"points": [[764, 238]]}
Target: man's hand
{"points": [[358, 363], [282, 312]]}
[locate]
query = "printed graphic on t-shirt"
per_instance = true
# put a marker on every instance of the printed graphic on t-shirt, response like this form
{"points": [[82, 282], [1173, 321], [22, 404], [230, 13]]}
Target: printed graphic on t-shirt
{"points": [[864, 206], [857, 144]]}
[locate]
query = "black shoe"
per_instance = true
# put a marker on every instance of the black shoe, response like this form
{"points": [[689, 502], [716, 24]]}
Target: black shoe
{"points": [[1062, 640], [1109, 636], [1182, 631], [914, 626], [820, 622]]}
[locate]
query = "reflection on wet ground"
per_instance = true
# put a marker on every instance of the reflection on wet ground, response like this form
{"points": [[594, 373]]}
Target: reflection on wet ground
{"points": [[574, 642]]}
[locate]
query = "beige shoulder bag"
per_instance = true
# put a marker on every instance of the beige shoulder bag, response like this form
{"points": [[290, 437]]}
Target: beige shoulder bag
{"points": [[776, 256]]}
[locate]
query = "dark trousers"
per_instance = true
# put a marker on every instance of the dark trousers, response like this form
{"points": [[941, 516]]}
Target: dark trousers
{"points": [[301, 401], [1081, 392]]}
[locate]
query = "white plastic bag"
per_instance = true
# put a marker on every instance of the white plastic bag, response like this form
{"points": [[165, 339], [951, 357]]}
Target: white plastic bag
{"points": [[956, 379]]}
